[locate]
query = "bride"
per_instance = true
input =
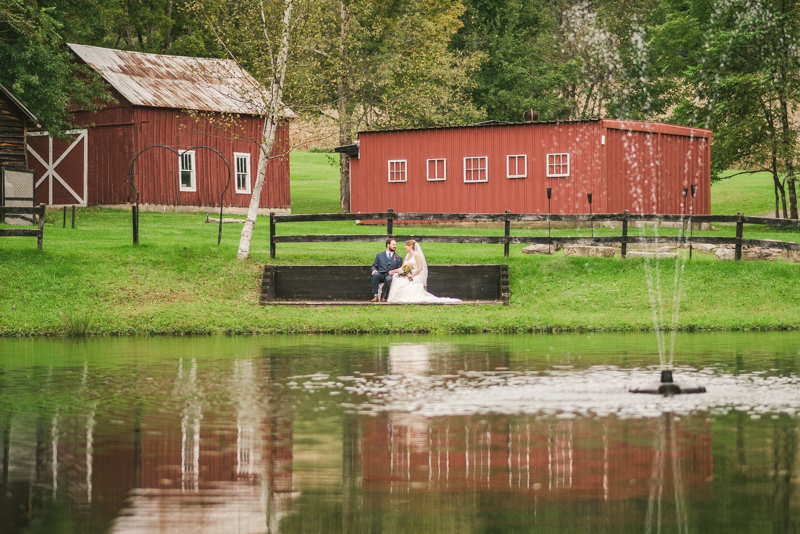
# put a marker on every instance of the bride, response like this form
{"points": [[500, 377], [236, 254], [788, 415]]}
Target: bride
{"points": [[411, 288]]}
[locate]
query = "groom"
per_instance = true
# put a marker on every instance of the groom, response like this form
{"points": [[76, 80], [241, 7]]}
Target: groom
{"points": [[385, 265]]}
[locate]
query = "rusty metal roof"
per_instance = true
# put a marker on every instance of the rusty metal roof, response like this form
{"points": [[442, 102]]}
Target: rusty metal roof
{"points": [[160, 81], [636, 126]]}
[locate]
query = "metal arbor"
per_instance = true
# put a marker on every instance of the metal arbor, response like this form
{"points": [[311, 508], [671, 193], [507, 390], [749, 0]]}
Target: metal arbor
{"points": [[135, 213]]}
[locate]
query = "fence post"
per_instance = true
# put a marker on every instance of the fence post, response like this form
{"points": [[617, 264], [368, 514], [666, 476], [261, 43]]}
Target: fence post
{"points": [[739, 230], [135, 222], [272, 234], [389, 222], [64, 223], [624, 234], [40, 237], [506, 246], [73, 217]]}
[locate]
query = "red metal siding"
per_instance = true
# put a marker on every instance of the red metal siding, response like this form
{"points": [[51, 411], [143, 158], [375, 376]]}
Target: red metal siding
{"points": [[371, 190], [156, 171], [639, 168], [649, 169]]}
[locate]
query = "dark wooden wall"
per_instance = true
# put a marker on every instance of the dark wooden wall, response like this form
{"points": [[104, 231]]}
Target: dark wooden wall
{"points": [[13, 130], [353, 282]]}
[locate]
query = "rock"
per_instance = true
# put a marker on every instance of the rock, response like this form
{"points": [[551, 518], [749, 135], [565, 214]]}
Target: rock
{"points": [[656, 255], [540, 249], [704, 247], [748, 254], [790, 255], [725, 254], [667, 248], [588, 251]]}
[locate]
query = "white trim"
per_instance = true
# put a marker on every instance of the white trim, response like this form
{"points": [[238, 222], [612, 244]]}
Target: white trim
{"points": [[50, 173], [402, 171], [193, 171], [484, 168], [246, 157], [560, 165], [524, 166], [436, 168]]}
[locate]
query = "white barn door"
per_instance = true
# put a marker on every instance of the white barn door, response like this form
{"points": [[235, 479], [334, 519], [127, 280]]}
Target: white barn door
{"points": [[61, 167]]}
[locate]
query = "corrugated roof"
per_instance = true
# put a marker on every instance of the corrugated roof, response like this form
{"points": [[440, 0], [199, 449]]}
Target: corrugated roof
{"points": [[640, 126], [160, 81], [19, 105]]}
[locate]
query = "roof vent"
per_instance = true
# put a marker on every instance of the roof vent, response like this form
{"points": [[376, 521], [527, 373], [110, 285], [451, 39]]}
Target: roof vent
{"points": [[531, 115]]}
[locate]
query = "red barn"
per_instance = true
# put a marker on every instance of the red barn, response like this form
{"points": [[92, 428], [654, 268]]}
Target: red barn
{"points": [[175, 101], [492, 167]]}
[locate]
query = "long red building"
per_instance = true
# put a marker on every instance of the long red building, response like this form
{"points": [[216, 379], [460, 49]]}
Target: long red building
{"points": [[492, 167], [178, 102]]}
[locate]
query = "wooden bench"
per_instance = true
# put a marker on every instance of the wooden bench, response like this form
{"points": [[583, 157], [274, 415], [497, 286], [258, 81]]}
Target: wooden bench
{"points": [[324, 285], [6, 211]]}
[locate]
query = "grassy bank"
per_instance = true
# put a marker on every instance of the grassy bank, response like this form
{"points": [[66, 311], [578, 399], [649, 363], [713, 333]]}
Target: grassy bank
{"points": [[178, 281]]}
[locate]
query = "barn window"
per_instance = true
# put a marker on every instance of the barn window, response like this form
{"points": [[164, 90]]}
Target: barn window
{"points": [[188, 173], [517, 166], [397, 170], [557, 165], [437, 170], [475, 170], [242, 164]]}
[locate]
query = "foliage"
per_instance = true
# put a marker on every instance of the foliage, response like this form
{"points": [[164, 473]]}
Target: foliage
{"points": [[38, 69]]}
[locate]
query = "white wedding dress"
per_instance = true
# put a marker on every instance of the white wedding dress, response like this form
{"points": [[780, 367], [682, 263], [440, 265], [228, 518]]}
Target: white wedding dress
{"points": [[405, 291]]}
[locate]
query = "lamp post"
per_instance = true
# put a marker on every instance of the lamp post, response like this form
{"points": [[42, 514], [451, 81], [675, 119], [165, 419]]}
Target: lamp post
{"points": [[549, 194], [591, 222], [691, 225], [683, 206]]}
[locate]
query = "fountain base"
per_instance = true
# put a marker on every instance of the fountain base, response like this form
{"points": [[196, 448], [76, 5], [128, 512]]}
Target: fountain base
{"points": [[668, 387]]}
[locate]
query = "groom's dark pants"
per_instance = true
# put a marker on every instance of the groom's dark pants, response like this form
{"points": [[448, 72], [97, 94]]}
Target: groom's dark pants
{"points": [[379, 278]]}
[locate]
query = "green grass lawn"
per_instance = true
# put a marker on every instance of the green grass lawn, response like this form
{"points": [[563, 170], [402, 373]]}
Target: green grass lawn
{"points": [[178, 281], [752, 194]]}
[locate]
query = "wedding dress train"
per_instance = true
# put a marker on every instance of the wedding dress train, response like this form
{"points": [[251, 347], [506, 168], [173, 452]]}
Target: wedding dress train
{"points": [[405, 291]]}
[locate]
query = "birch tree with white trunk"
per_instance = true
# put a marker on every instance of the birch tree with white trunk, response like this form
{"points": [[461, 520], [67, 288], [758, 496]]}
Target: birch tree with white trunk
{"points": [[259, 36]]}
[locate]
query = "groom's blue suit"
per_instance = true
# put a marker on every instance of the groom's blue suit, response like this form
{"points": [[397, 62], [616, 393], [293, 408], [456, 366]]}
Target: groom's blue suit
{"points": [[383, 264]]}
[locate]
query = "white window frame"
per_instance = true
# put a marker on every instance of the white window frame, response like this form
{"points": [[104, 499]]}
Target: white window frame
{"points": [[436, 168], [524, 165], [484, 168], [193, 187], [402, 172], [246, 157], [553, 165]]}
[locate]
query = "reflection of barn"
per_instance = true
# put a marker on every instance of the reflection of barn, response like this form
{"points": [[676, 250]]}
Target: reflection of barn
{"points": [[492, 167], [152, 95]]}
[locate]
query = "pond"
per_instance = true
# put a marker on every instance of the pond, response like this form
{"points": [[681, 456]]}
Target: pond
{"points": [[399, 434]]}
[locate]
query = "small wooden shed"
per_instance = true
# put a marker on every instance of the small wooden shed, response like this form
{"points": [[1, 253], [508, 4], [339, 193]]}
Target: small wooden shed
{"points": [[15, 120], [179, 102], [492, 167]]}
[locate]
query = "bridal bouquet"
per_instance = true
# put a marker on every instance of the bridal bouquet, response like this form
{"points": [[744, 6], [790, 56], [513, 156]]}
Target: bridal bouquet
{"points": [[406, 271]]}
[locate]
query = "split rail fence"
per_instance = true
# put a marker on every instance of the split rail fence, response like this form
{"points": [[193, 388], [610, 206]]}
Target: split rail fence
{"points": [[624, 239], [8, 211]]}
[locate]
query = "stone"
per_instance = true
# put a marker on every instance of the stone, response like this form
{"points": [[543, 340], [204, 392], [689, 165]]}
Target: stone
{"points": [[540, 249], [725, 254], [588, 251], [656, 255], [790, 255], [704, 247]]}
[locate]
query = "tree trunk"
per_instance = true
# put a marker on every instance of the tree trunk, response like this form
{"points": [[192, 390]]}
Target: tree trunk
{"points": [[778, 189], [275, 108], [344, 116]]}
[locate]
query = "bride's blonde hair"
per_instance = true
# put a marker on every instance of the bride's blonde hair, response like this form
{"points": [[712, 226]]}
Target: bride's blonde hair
{"points": [[411, 242]]}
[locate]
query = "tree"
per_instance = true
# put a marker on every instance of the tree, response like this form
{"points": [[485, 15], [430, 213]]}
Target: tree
{"points": [[741, 69], [260, 35], [39, 70], [384, 63]]}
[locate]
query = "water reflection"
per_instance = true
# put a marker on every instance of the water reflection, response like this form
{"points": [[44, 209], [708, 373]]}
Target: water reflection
{"points": [[462, 435]]}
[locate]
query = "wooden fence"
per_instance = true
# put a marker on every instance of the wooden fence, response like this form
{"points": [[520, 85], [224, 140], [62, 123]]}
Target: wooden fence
{"points": [[507, 239], [24, 232]]}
